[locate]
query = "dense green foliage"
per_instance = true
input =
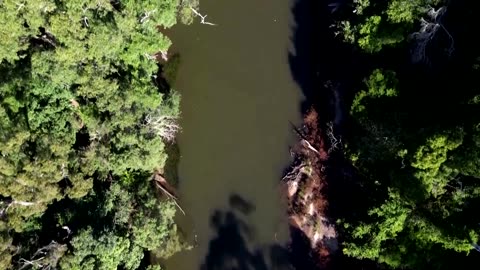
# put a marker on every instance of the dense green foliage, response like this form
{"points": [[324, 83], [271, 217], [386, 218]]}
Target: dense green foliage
{"points": [[128, 219], [416, 135], [79, 106], [383, 23]]}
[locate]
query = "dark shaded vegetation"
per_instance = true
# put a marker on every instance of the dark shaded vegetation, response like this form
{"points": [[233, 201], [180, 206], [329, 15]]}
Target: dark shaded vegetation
{"points": [[405, 185], [320, 64]]}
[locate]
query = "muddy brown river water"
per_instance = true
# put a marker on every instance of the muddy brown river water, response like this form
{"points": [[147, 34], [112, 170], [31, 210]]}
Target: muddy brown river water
{"points": [[238, 97]]}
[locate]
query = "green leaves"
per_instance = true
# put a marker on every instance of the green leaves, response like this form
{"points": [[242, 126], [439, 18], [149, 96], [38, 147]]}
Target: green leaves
{"points": [[391, 221], [106, 252], [429, 158], [423, 172], [71, 80], [130, 220], [77, 86], [379, 84], [376, 25], [403, 11]]}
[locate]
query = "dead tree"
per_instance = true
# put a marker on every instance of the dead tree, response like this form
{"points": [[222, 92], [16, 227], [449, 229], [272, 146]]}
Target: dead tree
{"points": [[10, 203], [45, 258], [334, 142], [304, 140], [85, 21], [164, 55], [159, 184], [430, 28], [202, 17], [147, 15], [164, 126], [309, 146], [294, 173]]}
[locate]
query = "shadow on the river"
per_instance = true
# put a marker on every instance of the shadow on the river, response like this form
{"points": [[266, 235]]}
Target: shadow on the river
{"points": [[232, 248], [171, 164], [319, 59]]}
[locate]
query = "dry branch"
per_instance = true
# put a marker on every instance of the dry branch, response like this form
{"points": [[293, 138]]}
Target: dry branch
{"points": [[294, 173], [202, 17], [23, 203], [309, 146], [428, 31], [164, 55], [334, 142], [146, 16], [4, 210], [163, 125], [170, 195], [85, 21], [35, 263], [44, 258]]}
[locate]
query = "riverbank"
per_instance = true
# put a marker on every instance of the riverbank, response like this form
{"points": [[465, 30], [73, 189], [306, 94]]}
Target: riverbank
{"points": [[321, 65], [305, 186]]}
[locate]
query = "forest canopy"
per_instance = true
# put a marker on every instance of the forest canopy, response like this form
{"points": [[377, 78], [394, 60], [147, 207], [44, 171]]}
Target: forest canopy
{"points": [[83, 128], [414, 135]]}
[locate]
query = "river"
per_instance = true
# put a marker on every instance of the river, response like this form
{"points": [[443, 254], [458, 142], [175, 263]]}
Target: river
{"points": [[238, 99]]}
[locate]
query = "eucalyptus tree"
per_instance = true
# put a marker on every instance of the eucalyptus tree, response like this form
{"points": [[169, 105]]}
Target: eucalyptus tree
{"points": [[78, 104]]}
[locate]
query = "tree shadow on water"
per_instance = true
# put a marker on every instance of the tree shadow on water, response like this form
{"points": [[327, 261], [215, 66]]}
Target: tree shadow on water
{"points": [[234, 248], [318, 56]]}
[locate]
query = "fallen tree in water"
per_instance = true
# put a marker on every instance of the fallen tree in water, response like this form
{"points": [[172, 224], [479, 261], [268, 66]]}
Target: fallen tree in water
{"points": [[162, 184]]}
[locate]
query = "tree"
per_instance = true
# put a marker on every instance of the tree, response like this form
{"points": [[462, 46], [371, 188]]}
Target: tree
{"points": [[130, 220], [419, 169], [78, 103], [66, 82], [418, 173], [108, 251], [383, 24]]}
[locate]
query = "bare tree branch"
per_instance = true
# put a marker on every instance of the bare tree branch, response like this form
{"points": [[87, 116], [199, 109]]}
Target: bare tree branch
{"points": [[163, 125], [35, 263], [85, 21], [202, 17], [428, 31], [148, 56], [174, 199], [294, 173], [146, 16], [164, 55], [44, 258], [20, 5], [67, 229], [4, 210], [23, 203], [334, 142], [309, 146]]}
